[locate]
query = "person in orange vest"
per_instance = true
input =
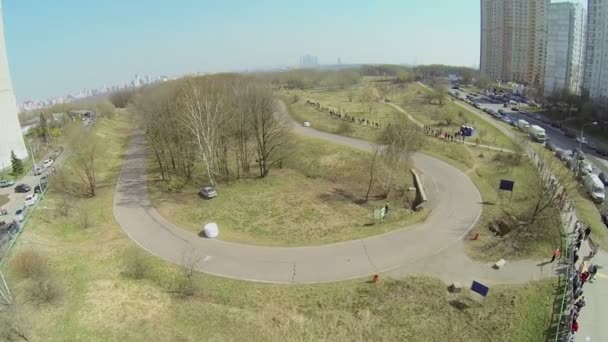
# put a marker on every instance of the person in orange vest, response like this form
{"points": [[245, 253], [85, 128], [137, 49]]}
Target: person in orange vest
{"points": [[555, 254]]}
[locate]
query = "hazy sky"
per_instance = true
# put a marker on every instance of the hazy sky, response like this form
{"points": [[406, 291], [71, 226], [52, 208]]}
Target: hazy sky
{"points": [[59, 46]]}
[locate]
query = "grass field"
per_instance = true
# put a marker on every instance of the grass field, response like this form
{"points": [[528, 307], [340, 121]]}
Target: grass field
{"points": [[362, 105], [486, 169], [313, 199], [412, 98], [97, 301]]}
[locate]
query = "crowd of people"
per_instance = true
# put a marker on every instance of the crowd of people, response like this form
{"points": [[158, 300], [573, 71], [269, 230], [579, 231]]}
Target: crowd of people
{"points": [[457, 136], [342, 116], [582, 271]]}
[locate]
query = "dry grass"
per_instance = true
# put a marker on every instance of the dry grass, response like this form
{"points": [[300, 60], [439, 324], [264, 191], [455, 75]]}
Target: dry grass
{"points": [[314, 199], [3, 199], [101, 304]]}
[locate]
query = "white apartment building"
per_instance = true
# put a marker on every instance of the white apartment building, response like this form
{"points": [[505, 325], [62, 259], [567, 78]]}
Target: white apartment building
{"points": [[513, 40], [595, 79], [565, 43]]}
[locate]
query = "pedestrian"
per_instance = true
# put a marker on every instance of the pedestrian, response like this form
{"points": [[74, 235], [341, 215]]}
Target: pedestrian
{"points": [[592, 271], [581, 303], [386, 209], [585, 276], [587, 232], [555, 254], [575, 258], [574, 326]]}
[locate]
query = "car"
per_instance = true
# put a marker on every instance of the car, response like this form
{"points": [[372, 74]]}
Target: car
{"points": [[585, 167], [12, 228], [40, 188], [306, 124], [23, 188], [602, 152], [515, 109], [207, 192], [39, 170], [31, 199], [5, 183], [58, 151], [602, 176], [605, 219], [20, 215], [549, 146], [47, 163], [506, 119], [581, 140]]}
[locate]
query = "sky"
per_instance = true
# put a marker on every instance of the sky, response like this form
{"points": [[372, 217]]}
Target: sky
{"points": [[61, 46]]}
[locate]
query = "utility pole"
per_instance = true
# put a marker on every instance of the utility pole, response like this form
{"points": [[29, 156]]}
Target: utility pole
{"points": [[35, 167]]}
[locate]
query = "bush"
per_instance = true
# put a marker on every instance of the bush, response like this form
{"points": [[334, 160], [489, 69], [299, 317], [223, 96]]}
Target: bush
{"points": [[31, 265], [344, 127], [175, 185], [44, 291], [136, 264]]}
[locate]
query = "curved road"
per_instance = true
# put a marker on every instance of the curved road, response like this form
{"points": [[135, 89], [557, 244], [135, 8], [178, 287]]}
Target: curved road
{"points": [[456, 206]]}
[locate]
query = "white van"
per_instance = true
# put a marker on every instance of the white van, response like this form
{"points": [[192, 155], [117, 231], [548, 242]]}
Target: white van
{"points": [[595, 188]]}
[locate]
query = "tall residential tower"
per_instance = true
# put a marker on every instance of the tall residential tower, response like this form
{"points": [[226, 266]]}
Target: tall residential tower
{"points": [[513, 40], [11, 138], [595, 79], [564, 63]]}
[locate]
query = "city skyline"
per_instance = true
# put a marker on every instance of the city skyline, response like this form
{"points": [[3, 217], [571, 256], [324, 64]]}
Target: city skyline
{"points": [[58, 48]]}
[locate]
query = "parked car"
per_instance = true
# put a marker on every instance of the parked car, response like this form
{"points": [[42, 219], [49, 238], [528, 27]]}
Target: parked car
{"points": [[11, 228], [47, 163], [23, 188], [58, 151], [549, 146], [602, 176], [207, 192], [31, 199], [581, 140], [585, 167], [5, 183], [39, 170], [605, 219], [40, 188], [562, 154], [20, 215]]}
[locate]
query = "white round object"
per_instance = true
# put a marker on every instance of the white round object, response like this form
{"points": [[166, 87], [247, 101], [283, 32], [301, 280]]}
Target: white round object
{"points": [[211, 230], [306, 124]]}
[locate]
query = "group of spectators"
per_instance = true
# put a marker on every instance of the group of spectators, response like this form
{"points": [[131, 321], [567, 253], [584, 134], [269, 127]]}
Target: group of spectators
{"points": [[582, 272], [457, 136], [343, 116]]}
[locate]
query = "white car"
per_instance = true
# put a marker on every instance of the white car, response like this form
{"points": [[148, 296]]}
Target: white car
{"points": [[20, 215], [31, 199], [47, 163], [306, 124], [582, 140]]}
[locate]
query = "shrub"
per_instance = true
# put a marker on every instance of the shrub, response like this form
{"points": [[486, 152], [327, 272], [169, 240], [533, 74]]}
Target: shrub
{"points": [[44, 291], [136, 264], [31, 265]]}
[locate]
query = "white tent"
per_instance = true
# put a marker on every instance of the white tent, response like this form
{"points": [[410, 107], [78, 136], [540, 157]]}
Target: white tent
{"points": [[211, 230]]}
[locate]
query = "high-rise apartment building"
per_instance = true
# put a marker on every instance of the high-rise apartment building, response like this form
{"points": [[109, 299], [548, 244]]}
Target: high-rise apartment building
{"points": [[11, 138], [595, 79], [308, 60], [565, 43], [513, 40]]}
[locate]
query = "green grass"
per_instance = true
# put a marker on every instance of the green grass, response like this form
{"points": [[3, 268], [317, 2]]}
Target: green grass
{"points": [[411, 98], [359, 107], [486, 169], [99, 303], [313, 199]]}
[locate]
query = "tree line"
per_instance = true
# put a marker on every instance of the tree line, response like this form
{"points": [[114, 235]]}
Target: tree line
{"points": [[213, 128]]}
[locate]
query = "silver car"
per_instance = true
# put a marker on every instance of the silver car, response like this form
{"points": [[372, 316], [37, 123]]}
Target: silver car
{"points": [[207, 192]]}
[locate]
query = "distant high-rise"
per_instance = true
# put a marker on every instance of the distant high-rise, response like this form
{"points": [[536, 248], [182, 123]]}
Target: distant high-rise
{"points": [[565, 42], [513, 40], [11, 138], [595, 79], [309, 61]]}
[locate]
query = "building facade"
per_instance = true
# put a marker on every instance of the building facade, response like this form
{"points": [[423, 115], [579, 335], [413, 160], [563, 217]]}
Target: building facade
{"points": [[11, 138], [565, 46], [595, 79], [513, 40]]}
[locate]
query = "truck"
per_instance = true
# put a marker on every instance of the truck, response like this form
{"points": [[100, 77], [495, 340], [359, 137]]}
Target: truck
{"points": [[538, 133], [594, 187], [523, 125]]}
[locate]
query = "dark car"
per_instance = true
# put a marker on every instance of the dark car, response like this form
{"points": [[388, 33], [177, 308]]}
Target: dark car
{"points": [[570, 133], [12, 228], [40, 187], [23, 188], [602, 176], [605, 219], [602, 152], [549, 146]]}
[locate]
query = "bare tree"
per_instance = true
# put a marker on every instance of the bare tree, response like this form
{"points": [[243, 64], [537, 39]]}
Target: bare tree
{"points": [[372, 168], [270, 132], [86, 151], [402, 138], [184, 285], [204, 116], [64, 205]]}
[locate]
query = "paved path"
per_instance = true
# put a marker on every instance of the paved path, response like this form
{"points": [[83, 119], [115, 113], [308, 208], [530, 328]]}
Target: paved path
{"points": [[433, 247]]}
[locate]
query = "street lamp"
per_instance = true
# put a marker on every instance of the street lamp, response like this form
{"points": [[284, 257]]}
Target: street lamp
{"points": [[580, 141]]}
